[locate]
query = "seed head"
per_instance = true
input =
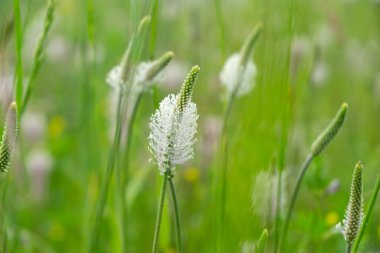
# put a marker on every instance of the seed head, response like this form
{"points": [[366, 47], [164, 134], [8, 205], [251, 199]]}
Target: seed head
{"points": [[262, 242], [150, 72], [184, 96], [248, 45], [354, 212], [8, 141], [331, 130]]}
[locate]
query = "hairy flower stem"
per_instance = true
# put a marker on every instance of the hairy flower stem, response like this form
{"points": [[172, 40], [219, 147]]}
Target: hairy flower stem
{"points": [[348, 248], [367, 215], [106, 179], [176, 214], [159, 213], [293, 198]]}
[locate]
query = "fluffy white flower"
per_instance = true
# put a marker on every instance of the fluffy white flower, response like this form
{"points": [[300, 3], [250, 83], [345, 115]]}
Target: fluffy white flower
{"points": [[115, 79], [234, 74], [172, 134]]}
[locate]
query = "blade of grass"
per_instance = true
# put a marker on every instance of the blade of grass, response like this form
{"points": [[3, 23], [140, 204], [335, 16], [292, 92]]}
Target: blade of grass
{"points": [[220, 21], [107, 179], [19, 39], [39, 53]]}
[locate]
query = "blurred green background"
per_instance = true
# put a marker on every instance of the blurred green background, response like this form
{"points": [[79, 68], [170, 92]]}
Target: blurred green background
{"points": [[311, 57]]}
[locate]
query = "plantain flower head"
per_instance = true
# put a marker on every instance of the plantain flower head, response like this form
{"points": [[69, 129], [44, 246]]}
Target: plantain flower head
{"points": [[173, 127], [8, 141], [354, 212]]}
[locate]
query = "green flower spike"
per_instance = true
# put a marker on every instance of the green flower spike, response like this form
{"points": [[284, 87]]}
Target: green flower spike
{"points": [[8, 140]]}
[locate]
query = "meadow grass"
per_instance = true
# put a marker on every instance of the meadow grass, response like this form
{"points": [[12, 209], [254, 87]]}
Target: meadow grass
{"points": [[101, 194]]}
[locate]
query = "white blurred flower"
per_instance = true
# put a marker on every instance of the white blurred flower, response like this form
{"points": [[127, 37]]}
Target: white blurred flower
{"points": [[172, 133], [114, 78], [248, 247], [212, 129], [33, 125], [265, 192], [234, 74], [323, 36], [320, 74], [59, 48], [333, 187], [39, 163], [6, 82], [301, 47]]}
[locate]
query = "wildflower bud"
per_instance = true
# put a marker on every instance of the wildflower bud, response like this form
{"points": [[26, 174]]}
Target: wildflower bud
{"points": [[119, 75], [331, 130], [127, 59], [354, 212], [8, 141], [239, 71], [150, 72], [247, 48], [158, 65], [262, 242], [186, 92]]}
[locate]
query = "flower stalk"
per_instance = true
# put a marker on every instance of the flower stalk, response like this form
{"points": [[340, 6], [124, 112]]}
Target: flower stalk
{"points": [[173, 127], [317, 147], [237, 77]]}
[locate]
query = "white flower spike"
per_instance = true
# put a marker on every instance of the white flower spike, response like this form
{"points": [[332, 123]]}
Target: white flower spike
{"points": [[173, 128]]}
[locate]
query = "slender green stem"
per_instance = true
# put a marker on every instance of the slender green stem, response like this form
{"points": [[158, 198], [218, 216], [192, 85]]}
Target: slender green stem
{"points": [[153, 28], [176, 214], [348, 248], [278, 211], [304, 167], [106, 179], [220, 21], [367, 215], [3, 230], [159, 213], [124, 174], [222, 174], [19, 39]]}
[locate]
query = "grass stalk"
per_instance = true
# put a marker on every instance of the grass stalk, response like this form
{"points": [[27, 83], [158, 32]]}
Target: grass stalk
{"points": [[159, 213], [367, 215], [124, 175], [293, 198], [176, 214], [153, 28], [19, 39], [220, 21], [38, 54], [106, 179]]}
